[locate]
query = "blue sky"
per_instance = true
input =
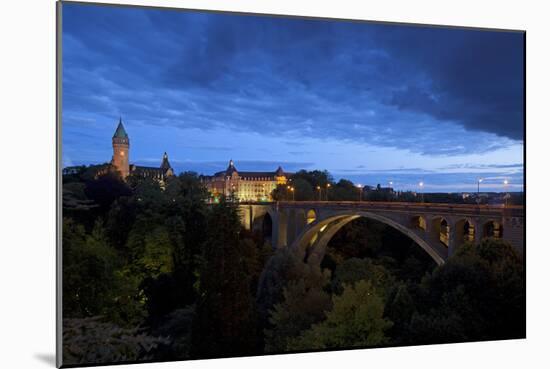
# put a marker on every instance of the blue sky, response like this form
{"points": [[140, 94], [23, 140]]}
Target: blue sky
{"points": [[373, 103]]}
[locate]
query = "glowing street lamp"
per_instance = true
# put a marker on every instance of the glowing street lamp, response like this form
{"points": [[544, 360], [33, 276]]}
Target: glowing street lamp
{"points": [[328, 186], [478, 182], [292, 190], [421, 185], [507, 195], [319, 190], [360, 187]]}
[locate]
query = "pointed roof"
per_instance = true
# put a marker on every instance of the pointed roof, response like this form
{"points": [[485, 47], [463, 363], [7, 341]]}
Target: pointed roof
{"points": [[120, 131], [231, 168], [165, 163], [280, 171]]}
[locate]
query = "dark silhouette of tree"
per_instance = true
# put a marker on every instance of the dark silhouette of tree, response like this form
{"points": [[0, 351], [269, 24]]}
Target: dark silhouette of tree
{"points": [[304, 302], [478, 294], [225, 320], [105, 189], [344, 190], [354, 270], [400, 307], [356, 320], [92, 281], [303, 190], [314, 178]]}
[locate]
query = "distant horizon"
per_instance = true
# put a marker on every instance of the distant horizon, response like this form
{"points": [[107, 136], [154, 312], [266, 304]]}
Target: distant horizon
{"points": [[271, 166], [369, 102]]}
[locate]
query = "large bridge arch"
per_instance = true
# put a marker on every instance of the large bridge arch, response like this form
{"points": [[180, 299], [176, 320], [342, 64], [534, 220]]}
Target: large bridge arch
{"points": [[462, 222], [313, 239]]}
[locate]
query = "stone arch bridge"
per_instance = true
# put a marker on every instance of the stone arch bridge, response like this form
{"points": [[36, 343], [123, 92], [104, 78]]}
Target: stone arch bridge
{"points": [[308, 226]]}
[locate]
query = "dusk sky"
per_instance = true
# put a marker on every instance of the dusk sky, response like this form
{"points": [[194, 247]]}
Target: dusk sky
{"points": [[369, 102]]}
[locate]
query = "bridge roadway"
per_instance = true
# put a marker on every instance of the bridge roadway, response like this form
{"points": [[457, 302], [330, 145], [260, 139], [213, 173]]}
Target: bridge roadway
{"points": [[308, 226]]}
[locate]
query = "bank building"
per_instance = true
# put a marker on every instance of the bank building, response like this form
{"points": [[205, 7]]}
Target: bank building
{"points": [[245, 186]]}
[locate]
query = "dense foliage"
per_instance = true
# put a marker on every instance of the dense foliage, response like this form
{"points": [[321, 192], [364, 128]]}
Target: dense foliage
{"points": [[153, 272]]}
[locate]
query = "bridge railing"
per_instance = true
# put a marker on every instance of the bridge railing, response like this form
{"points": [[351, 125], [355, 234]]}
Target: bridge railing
{"points": [[418, 206], [511, 210]]}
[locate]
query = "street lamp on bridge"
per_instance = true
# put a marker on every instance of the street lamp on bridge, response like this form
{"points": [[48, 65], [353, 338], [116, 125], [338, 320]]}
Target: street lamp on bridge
{"points": [[360, 187], [319, 192], [479, 180], [421, 185], [328, 186], [507, 195]]}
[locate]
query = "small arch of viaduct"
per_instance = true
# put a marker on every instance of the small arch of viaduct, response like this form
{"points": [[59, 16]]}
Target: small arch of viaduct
{"points": [[438, 229]]}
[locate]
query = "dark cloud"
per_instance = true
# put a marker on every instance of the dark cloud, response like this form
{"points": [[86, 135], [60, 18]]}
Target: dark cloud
{"points": [[361, 169], [474, 78], [433, 91], [518, 166]]}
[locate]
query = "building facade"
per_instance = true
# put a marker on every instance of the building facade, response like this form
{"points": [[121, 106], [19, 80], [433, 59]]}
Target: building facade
{"points": [[121, 159], [244, 186]]}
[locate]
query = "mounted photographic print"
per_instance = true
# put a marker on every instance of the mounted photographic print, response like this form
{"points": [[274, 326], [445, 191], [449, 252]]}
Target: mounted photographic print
{"points": [[245, 184]]}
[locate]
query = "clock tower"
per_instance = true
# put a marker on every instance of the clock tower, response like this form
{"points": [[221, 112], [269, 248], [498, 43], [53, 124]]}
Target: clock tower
{"points": [[121, 150]]}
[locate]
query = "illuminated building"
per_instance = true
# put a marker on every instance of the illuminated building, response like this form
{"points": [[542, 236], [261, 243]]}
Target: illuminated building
{"points": [[121, 159], [245, 186]]}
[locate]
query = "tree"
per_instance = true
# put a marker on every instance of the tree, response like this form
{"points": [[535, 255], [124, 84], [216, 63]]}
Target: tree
{"points": [[280, 193], [255, 254], [478, 294], [177, 326], [93, 341], [400, 307], [359, 238], [304, 303], [314, 178], [356, 320], [105, 189], [344, 190], [354, 270], [303, 190], [93, 280], [224, 325], [282, 268], [151, 249], [186, 219]]}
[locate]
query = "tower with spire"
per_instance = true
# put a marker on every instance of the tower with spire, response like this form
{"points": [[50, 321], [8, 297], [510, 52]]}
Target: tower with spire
{"points": [[121, 150], [121, 159]]}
